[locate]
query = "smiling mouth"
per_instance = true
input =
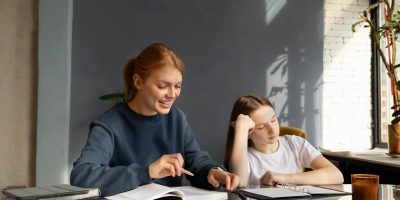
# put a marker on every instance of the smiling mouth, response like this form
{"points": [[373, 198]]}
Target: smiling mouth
{"points": [[166, 103]]}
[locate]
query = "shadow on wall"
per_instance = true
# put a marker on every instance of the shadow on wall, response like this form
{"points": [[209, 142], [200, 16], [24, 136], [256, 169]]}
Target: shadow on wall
{"points": [[294, 73], [230, 48]]}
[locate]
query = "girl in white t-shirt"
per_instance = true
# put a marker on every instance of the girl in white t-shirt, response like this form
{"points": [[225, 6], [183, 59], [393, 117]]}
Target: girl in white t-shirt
{"points": [[257, 153]]}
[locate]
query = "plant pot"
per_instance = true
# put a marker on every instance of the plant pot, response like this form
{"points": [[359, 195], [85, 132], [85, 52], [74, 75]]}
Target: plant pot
{"points": [[394, 139]]}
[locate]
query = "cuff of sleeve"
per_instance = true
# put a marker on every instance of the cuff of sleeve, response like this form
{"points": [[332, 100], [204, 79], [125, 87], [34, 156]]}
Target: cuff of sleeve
{"points": [[143, 176], [146, 174]]}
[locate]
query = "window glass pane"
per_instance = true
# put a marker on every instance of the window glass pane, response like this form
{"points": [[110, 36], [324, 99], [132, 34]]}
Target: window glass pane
{"points": [[386, 96]]}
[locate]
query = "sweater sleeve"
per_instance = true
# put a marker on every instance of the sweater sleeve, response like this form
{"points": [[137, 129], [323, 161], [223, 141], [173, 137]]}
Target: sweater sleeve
{"points": [[92, 169], [196, 160]]}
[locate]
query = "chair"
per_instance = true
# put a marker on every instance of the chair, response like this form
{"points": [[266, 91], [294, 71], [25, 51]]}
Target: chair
{"points": [[286, 130]]}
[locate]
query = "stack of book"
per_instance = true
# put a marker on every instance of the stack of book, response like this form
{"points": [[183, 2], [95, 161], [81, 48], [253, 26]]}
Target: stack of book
{"points": [[55, 192]]}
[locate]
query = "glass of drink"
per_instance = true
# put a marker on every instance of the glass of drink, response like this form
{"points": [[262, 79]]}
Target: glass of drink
{"points": [[364, 186]]}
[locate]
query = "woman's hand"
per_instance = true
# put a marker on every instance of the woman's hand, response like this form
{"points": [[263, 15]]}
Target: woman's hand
{"points": [[166, 165], [216, 177], [244, 122], [272, 178]]}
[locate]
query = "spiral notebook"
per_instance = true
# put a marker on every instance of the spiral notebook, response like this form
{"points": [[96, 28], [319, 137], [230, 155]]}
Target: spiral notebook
{"points": [[286, 191]]}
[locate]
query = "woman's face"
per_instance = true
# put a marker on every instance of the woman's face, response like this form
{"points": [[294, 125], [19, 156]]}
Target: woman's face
{"points": [[266, 130], [159, 90]]}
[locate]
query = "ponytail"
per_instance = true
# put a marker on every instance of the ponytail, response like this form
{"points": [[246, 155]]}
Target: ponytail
{"points": [[129, 89]]}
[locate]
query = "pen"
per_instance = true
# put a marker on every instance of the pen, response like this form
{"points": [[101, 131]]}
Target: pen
{"points": [[187, 172], [241, 196]]}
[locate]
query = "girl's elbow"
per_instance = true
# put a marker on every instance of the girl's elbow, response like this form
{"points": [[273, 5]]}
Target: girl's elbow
{"points": [[339, 176]]}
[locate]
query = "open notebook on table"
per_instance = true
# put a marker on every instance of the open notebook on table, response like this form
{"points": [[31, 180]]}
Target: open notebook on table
{"points": [[154, 191], [284, 191]]}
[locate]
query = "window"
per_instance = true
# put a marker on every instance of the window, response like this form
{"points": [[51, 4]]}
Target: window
{"points": [[381, 92]]}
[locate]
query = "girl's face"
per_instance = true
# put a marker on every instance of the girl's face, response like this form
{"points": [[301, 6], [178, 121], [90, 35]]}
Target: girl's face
{"points": [[158, 91], [266, 130]]}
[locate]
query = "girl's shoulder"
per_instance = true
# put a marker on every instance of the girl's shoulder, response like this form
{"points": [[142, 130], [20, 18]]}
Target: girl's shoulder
{"points": [[292, 139]]}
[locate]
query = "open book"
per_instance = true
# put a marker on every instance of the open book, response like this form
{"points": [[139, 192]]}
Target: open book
{"points": [[283, 191], [154, 191]]}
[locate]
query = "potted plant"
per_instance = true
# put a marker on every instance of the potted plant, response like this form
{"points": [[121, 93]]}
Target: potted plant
{"points": [[389, 31], [114, 96]]}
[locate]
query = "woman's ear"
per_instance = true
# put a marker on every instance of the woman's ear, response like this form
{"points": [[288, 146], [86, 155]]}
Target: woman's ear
{"points": [[137, 81]]}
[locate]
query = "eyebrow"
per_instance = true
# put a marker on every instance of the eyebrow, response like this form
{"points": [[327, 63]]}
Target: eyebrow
{"points": [[167, 82]]}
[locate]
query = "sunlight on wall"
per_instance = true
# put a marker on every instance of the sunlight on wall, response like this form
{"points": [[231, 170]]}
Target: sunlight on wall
{"points": [[347, 78], [276, 86], [272, 8]]}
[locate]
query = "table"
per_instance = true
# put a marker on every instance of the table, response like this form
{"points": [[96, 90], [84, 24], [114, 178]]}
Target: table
{"points": [[366, 162], [385, 193]]}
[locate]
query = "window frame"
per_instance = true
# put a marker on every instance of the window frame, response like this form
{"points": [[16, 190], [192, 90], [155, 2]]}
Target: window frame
{"points": [[376, 65]]}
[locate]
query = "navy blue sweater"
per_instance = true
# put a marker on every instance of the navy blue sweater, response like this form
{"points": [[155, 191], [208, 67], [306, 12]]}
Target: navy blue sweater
{"points": [[122, 144]]}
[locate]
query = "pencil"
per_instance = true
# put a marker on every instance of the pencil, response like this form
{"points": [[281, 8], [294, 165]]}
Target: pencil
{"points": [[187, 172]]}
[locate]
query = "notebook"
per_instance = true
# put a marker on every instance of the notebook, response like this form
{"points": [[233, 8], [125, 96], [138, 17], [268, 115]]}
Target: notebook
{"points": [[281, 191], [55, 192]]}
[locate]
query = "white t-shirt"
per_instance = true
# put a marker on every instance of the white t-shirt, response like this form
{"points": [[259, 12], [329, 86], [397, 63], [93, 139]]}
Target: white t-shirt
{"points": [[293, 154]]}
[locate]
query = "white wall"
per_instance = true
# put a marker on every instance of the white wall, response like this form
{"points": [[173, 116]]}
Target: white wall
{"points": [[347, 78]]}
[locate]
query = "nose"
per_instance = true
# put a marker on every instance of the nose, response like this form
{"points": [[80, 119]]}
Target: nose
{"points": [[269, 128], [171, 94]]}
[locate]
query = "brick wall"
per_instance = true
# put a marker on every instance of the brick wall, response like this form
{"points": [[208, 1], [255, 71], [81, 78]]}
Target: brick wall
{"points": [[347, 105]]}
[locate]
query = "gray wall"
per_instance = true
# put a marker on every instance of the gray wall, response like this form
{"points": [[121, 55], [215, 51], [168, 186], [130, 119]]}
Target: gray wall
{"points": [[230, 48]]}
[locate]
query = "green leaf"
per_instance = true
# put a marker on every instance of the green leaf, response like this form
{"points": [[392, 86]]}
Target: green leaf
{"points": [[395, 120], [393, 107], [113, 96], [396, 113], [398, 85]]}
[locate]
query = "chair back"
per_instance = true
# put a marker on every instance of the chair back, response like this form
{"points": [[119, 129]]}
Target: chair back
{"points": [[286, 130]]}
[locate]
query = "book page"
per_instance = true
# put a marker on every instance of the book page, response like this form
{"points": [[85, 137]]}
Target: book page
{"points": [[147, 192], [194, 193]]}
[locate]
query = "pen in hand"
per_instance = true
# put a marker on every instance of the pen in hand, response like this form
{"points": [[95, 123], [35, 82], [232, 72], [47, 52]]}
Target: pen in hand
{"points": [[187, 172]]}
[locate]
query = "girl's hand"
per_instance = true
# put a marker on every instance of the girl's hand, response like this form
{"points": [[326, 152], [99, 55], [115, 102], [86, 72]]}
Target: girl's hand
{"points": [[272, 178], [166, 165], [244, 122]]}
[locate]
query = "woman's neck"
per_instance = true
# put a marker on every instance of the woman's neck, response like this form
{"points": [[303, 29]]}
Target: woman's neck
{"points": [[267, 148], [137, 107]]}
